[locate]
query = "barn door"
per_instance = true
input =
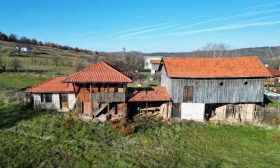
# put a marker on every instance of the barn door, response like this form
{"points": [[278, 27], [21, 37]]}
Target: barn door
{"points": [[188, 94], [64, 101]]}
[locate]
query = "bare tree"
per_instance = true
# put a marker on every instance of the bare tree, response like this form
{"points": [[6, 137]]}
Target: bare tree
{"points": [[15, 64], [79, 64], [3, 66], [216, 50]]}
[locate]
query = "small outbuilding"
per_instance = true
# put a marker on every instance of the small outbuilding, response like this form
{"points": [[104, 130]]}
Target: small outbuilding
{"points": [[54, 95], [154, 99]]}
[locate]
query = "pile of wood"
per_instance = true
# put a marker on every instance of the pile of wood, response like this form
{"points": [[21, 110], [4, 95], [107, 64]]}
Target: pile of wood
{"points": [[238, 113]]}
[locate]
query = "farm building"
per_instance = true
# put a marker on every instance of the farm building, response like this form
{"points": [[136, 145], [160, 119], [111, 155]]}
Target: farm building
{"points": [[154, 100], [25, 49], [274, 81], [152, 63], [100, 88], [53, 94], [198, 87]]}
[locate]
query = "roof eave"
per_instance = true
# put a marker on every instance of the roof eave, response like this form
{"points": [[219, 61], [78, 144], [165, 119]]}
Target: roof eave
{"points": [[226, 77]]}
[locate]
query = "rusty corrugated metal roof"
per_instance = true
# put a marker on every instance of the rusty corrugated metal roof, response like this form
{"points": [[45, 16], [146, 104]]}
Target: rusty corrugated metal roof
{"points": [[155, 61], [150, 94], [100, 73], [234, 67], [52, 86], [274, 72]]}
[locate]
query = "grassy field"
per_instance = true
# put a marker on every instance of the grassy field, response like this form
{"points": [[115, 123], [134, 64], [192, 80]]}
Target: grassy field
{"points": [[43, 60], [18, 80], [42, 139]]}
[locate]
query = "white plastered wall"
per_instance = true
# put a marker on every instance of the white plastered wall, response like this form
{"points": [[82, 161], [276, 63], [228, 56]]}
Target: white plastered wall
{"points": [[193, 111], [71, 101]]}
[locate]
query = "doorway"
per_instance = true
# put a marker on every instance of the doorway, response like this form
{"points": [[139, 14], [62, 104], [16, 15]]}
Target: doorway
{"points": [[64, 101]]}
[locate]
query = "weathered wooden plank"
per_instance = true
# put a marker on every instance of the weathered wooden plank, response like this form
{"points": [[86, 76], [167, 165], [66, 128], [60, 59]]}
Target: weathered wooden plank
{"points": [[215, 90], [108, 97]]}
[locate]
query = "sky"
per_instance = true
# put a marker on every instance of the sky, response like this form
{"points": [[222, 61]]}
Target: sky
{"points": [[144, 25]]}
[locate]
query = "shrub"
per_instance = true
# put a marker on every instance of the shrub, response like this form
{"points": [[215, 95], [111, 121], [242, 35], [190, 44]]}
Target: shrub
{"points": [[275, 121], [68, 123], [123, 127]]}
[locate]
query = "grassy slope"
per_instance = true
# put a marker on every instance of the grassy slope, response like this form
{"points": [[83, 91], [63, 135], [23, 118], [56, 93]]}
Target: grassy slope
{"points": [[33, 139], [41, 60], [17, 80]]}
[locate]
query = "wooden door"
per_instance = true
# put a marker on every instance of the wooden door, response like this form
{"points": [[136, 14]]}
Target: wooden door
{"points": [[64, 101], [176, 110], [188, 94]]}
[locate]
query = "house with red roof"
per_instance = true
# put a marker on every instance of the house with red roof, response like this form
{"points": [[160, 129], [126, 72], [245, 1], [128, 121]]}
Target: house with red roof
{"points": [[197, 86], [152, 63], [53, 94], [274, 80], [100, 88]]}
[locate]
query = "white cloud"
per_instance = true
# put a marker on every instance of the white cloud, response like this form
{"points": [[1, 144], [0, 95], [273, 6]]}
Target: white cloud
{"points": [[226, 27]]}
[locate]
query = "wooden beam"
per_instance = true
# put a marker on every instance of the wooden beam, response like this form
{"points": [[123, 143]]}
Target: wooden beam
{"points": [[167, 110], [91, 101], [124, 108], [146, 107]]}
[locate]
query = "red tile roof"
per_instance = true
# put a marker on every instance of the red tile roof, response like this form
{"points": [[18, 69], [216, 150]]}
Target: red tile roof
{"points": [[150, 94], [274, 72], [234, 67], [153, 61], [100, 73], [52, 86]]}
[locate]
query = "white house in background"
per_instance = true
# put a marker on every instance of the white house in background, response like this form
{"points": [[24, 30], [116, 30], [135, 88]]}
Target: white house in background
{"points": [[25, 49], [152, 63], [53, 95]]}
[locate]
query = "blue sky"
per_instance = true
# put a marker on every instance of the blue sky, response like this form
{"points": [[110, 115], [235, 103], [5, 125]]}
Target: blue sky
{"points": [[144, 25]]}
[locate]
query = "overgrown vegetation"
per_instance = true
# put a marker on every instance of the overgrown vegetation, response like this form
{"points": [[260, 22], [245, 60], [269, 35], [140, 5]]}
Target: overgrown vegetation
{"points": [[17, 81], [47, 139]]}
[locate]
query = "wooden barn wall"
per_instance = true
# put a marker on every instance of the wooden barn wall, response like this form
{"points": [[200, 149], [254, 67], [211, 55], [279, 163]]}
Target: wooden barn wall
{"points": [[210, 90], [166, 81]]}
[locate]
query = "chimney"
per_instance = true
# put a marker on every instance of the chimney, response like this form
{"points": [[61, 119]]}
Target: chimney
{"points": [[266, 65]]}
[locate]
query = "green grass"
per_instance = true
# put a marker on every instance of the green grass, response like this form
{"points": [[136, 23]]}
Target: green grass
{"points": [[42, 59], [39, 139], [273, 103], [145, 73], [18, 80]]}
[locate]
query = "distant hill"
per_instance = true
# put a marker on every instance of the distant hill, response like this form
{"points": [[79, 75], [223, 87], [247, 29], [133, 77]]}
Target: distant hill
{"points": [[261, 52], [268, 55], [49, 61]]}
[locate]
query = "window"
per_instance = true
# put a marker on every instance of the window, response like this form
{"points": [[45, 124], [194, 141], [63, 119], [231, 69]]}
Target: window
{"points": [[221, 83], [46, 98], [188, 94], [245, 83]]}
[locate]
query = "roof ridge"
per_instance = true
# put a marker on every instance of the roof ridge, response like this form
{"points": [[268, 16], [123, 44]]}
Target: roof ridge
{"points": [[196, 67], [195, 57], [117, 69], [111, 67], [44, 83], [80, 71]]}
